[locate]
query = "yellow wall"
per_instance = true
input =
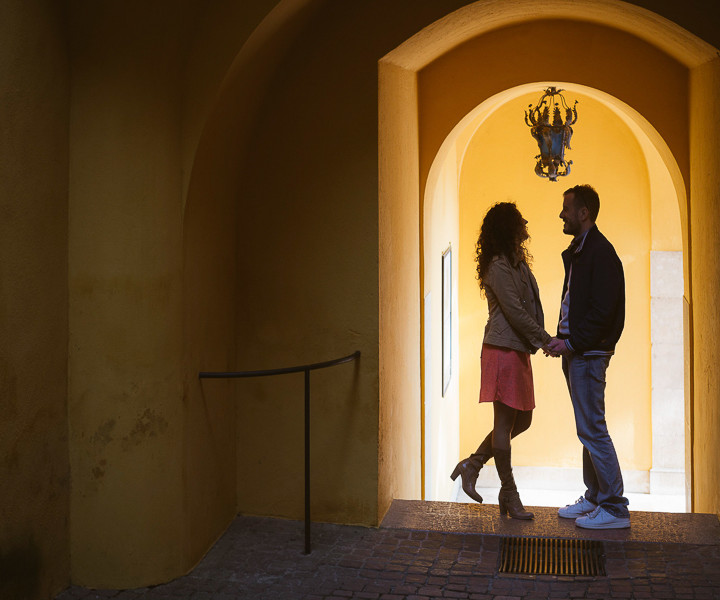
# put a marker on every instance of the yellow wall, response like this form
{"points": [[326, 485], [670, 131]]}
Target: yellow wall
{"points": [[441, 414], [209, 447], [399, 441], [303, 252], [447, 92], [498, 166], [125, 386], [232, 55], [704, 224], [34, 467]]}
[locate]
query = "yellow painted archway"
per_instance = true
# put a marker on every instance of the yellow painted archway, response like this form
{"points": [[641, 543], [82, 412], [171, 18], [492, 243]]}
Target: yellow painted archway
{"points": [[433, 81], [488, 158]]}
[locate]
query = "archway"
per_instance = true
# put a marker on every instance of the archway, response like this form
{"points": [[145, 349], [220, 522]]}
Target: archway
{"points": [[488, 158], [427, 86]]}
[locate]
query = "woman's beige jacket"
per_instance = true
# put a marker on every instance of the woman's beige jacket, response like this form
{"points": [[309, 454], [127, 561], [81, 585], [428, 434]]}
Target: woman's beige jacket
{"points": [[516, 317]]}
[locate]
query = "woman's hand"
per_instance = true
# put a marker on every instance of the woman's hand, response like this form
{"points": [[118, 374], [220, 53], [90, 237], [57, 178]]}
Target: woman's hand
{"points": [[555, 347]]}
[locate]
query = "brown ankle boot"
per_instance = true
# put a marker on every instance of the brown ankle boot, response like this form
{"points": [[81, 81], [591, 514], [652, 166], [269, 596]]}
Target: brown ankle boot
{"points": [[508, 498], [510, 504], [469, 475]]}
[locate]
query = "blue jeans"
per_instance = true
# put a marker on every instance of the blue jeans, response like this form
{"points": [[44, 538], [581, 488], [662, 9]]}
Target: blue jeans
{"points": [[585, 378]]}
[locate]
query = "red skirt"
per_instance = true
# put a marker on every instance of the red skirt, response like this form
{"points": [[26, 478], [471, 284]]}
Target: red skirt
{"points": [[506, 376]]}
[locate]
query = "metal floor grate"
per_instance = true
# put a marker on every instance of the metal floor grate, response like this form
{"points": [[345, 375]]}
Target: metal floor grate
{"points": [[551, 556]]}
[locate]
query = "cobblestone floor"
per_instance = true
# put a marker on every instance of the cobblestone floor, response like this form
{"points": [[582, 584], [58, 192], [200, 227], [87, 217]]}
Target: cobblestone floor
{"points": [[262, 559]]}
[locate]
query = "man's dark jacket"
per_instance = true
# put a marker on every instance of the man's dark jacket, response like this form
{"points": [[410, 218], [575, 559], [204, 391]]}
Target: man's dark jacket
{"points": [[597, 294]]}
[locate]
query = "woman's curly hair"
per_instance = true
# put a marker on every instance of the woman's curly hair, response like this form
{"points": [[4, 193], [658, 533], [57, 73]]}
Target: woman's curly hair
{"points": [[502, 232]]}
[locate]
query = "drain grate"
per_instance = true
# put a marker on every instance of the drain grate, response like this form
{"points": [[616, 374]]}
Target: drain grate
{"points": [[551, 556]]}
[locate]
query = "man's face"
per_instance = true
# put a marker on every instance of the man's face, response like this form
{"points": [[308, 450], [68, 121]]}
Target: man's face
{"points": [[570, 215]]}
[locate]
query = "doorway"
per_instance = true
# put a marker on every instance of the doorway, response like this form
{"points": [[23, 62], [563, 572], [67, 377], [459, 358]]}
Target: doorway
{"points": [[431, 84], [489, 158]]}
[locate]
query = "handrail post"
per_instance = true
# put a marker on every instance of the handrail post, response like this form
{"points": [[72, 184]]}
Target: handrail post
{"points": [[307, 461]]}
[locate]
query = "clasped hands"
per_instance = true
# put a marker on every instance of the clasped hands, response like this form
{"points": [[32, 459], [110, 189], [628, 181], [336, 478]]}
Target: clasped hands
{"points": [[555, 347]]}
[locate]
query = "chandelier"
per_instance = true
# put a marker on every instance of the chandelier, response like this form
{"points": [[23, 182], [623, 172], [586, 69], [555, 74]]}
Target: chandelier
{"points": [[552, 133]]}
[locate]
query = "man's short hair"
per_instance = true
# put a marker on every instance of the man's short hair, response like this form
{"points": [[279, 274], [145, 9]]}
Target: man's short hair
{"points": [[585, 195]]}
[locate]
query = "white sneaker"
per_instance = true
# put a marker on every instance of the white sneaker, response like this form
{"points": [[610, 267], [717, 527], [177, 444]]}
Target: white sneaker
{"points": [[602, 519], [582, 507]]}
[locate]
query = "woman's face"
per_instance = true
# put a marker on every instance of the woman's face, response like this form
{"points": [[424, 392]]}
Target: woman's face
{"points": [[523, 234]]}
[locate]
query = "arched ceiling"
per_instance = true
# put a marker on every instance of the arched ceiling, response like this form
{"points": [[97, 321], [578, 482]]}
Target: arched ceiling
{"points": [[482, 17]]}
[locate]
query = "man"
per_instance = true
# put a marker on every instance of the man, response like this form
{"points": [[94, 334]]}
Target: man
{"points": [[592, 316]]}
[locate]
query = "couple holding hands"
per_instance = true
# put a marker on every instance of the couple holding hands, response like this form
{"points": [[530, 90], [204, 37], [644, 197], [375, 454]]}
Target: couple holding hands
{"points": [[592, 316]]}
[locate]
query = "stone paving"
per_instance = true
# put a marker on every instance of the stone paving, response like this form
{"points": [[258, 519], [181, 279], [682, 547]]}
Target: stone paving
{"points": [[262, 559], [455, 517]]}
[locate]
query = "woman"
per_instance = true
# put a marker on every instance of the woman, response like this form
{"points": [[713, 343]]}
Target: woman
{"points": [[514, 331]]}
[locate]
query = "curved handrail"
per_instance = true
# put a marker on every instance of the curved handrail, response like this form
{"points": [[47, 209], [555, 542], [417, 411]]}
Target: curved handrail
{"points": [[306, 369], [283, 371]]}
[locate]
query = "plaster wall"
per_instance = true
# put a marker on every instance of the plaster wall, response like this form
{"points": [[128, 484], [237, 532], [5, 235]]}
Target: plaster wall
{"points": [[125, 216], [441, 231], [304, 250], [307, 246], [232, 55], [226, 37], [273, 109], [209, 443], [34, 465], [153, 451], [399, 269], [704, 224]]}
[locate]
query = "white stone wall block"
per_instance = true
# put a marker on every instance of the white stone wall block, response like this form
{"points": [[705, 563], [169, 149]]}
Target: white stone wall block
{"points": [[666, 274]]}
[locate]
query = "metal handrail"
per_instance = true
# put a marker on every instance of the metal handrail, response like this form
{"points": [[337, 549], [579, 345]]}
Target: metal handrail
{"points": [[306, 369], [263, 373]]}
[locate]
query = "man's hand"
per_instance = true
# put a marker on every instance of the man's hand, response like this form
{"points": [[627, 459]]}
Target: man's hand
{"points": [[547, 351], [555, 347]]}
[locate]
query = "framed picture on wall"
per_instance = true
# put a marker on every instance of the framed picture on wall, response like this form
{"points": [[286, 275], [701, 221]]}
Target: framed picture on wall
{"points": [[446, 318]]}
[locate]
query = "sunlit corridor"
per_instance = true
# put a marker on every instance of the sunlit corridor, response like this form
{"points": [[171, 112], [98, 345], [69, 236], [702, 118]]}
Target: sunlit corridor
{"points": [[488, 158]]}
